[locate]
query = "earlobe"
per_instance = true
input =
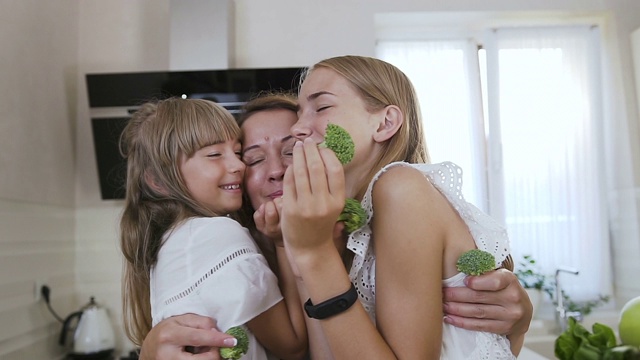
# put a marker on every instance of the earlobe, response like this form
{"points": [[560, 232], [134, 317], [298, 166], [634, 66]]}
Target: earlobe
{"points": [[150, 180], [393, 119]]}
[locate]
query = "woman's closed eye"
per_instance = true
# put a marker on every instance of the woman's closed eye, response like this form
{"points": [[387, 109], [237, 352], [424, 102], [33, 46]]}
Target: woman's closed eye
{"points": [[287, 149], [251, 161]]}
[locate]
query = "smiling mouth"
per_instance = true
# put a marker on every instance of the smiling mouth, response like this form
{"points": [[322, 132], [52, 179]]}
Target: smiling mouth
{"points": [[230, 187]]}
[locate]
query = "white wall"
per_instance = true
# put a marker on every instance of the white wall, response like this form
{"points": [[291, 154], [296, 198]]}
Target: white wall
{"points": [[38, 70], [46, 138]]}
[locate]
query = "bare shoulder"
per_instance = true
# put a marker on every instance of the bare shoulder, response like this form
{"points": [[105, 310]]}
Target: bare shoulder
{"points": [[404, 190], [403, 181]]}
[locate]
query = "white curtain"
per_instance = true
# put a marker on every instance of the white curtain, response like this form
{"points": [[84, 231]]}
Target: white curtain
{"points": [[540, 167], [446, 77]]}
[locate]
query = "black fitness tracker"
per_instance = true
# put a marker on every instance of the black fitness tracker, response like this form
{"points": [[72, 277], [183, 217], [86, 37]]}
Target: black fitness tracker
{"points": [[333, 306]]}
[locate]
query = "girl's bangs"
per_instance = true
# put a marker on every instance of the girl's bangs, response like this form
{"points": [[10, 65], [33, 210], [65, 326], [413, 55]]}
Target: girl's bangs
{"points": [[207, 124]]}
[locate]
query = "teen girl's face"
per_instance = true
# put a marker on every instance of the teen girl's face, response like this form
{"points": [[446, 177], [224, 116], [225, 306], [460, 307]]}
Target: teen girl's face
{"points": [[267, 152], [213, 176], [326, 97]]}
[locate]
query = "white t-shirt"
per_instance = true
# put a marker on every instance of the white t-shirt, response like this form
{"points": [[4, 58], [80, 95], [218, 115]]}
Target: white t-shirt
{"points": [[212, 267]]}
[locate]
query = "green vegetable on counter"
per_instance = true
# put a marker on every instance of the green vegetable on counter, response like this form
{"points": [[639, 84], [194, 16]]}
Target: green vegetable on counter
{"points": [[340, 142], [629, 325], [476, 262], [577, 343], [241, 347]]}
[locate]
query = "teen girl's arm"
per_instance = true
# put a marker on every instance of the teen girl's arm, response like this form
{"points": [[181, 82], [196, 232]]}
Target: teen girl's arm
{"points": [[267, 220], [313, 199]]}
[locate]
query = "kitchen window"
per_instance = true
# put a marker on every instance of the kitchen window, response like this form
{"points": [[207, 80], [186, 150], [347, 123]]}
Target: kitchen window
{"points": [[520, 110]]}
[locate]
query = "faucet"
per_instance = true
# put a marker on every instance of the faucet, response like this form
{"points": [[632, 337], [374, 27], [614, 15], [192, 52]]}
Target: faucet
{"points": [[561, 314]]}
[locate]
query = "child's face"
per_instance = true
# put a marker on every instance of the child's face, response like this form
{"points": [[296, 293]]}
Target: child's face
{"points": [[326, 97], [213, 176]]}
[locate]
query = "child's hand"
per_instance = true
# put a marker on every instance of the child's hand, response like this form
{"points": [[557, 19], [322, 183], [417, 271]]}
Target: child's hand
{"points": [[313, 198]]}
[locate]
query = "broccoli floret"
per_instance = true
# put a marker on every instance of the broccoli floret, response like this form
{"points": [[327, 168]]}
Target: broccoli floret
{"points": [[241, 347], [353, 215], [338, 139], [476, 262], [340, 142]]}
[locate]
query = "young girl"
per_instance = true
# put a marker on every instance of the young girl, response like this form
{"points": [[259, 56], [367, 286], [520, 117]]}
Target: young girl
{"points": [[416, 211], [184, 254]]}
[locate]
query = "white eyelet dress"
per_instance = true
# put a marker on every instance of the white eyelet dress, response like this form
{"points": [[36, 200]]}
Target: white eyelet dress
{"points": [[489, 236]]}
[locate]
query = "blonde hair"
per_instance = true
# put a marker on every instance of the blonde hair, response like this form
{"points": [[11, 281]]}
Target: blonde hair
{"points": [[156, 137], [381, 84]]}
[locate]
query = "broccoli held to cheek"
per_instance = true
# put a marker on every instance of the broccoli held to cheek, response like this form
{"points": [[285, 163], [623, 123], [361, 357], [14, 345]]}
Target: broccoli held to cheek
{"points": [[340, 142]]}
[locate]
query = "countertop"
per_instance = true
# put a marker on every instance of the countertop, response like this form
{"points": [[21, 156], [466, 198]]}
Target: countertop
{"points": [[528, 354]]}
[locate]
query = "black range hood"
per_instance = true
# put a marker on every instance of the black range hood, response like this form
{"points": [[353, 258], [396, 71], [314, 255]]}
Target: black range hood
{"points": [[114, 96]]}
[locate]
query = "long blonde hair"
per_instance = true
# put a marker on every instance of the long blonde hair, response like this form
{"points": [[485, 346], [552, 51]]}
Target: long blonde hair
{"points": [[156, 199], [381, 84]]}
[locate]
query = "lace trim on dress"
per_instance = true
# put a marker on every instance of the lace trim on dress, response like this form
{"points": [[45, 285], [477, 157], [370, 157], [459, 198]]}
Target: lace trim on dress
{"points": [[210, 272]]}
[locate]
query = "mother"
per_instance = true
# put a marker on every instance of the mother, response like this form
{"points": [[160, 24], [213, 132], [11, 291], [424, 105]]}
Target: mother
{"points": [[494, 302]]}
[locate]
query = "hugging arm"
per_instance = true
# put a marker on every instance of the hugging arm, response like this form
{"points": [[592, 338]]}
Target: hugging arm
{"points": [[169, 339], [494, 302]]}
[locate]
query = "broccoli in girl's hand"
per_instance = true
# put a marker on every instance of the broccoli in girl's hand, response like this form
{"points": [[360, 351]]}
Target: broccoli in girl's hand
{"points": [[353, 215], [476, 262], [340, 142], [241, 347]]}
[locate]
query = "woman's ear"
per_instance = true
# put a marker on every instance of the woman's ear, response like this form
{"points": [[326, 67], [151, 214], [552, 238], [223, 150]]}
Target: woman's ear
{"points": [[393, 119], [151, 181]]}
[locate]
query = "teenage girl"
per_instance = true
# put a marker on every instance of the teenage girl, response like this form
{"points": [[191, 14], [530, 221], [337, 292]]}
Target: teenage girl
{"points": [[416, 211]]}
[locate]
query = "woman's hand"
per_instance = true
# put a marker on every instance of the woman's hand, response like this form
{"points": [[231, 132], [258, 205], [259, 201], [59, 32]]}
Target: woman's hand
{"points": [[170, 339], [494, 302], [267, 219]]}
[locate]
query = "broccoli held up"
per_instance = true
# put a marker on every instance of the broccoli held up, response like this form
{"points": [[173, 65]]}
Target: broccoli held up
{"points": [[241, 347], [353, 215], [340, 142], [476, 262]]}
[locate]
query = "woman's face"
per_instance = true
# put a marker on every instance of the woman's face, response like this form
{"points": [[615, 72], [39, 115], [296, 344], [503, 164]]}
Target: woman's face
{"points": [[266, 150]]}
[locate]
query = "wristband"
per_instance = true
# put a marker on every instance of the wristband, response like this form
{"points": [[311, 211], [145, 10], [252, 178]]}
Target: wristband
{"points": [[333, 306]]}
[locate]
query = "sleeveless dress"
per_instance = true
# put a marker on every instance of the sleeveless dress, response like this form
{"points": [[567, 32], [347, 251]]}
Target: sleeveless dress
{"points": [[488, 235]]}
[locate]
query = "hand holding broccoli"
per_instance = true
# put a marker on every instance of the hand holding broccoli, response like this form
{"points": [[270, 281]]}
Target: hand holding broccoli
{"points": [[241, 347], [476, 262], [340, 142]]}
